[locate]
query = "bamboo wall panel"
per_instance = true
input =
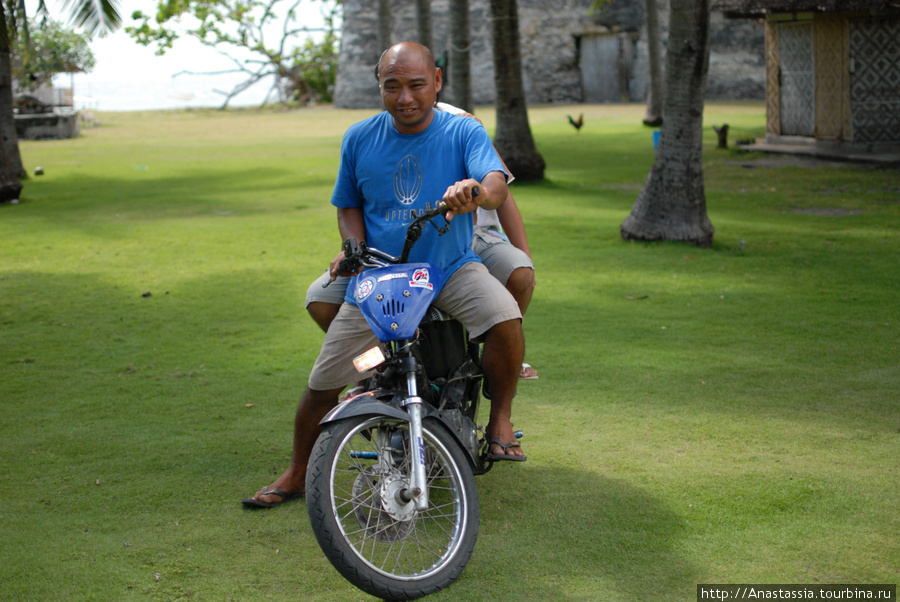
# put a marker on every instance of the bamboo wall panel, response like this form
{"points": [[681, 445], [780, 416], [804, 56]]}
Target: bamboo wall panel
{"points": [[875, 80], [773, 90], [831, 77]]}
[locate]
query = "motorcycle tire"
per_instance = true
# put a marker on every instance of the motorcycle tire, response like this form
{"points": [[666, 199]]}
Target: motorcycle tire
{"points": [[382, 545]]}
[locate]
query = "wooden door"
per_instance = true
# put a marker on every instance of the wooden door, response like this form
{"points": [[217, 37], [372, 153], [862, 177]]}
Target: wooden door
{"points": [[600, 68], [796, 56]]}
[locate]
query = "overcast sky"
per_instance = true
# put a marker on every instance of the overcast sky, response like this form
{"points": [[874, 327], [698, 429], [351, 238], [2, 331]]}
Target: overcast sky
{"points": [[130, 76]]}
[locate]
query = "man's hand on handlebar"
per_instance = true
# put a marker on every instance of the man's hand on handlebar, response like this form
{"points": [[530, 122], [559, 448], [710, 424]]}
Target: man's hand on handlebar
{"points": [[334, 269], [341, 267], [461, 197]]}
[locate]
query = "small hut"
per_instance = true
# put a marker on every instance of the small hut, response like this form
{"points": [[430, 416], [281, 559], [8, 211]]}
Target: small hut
{"points": [[832, 71]]}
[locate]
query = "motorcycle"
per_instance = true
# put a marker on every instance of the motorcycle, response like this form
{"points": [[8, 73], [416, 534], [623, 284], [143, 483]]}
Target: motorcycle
{"points": [[390, 488]]}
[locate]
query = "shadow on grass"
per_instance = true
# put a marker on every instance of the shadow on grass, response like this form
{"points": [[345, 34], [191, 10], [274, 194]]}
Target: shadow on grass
{"points": [[161, 319], [123, 366], [568, 534], [167, 194]]}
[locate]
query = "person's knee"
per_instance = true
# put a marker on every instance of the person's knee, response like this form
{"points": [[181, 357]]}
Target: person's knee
{"points": [[323, 313], [506, 334], [521, 279], [521, 285]]}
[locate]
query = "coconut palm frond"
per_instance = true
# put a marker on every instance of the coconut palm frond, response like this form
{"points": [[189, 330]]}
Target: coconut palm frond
{"points": [[98, 17]]}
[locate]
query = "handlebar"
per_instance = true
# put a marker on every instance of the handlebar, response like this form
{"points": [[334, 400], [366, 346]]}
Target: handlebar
{"points": [[359, 255]]}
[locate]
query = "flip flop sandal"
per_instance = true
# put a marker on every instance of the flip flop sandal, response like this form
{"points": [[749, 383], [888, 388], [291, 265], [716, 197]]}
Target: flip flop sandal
{"points": [[504, 457], [250, 502], [525, 369]]}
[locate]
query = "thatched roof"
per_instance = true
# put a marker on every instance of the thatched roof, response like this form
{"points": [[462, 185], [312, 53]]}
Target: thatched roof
{"points": [[761, 8]]}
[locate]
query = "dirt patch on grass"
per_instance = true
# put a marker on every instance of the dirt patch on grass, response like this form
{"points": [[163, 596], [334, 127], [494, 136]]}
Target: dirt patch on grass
{"points": [[797, 161], [828, 211]]}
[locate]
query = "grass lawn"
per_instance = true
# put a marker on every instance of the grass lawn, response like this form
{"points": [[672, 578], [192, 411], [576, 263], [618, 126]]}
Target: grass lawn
{"points": [[727, 415]]}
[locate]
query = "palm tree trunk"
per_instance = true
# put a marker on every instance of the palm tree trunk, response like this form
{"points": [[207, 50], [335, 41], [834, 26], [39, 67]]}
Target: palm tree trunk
{"points": [[460, 55], [672, 204], [10, 159], [423, 23], [513, 138], [654, 52], [384, 25]]}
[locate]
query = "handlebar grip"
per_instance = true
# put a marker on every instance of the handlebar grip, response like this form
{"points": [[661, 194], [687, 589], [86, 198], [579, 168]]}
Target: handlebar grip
{"points": [[443, 208]]}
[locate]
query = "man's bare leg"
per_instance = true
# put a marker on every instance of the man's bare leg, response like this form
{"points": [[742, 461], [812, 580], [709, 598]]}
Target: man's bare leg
{"points": [[323, 313], [504, 349], [521, 284], [312, 408]]}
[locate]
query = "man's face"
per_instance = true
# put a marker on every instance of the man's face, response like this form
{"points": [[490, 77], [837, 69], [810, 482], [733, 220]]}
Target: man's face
{"points": [[409, 88]]}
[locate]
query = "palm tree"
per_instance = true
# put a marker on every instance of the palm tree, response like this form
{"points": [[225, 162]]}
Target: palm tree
{"points": [[11, 168], [655, 96], [423, 23], [384, 25], [460, 55], [513, 138], [93, 16], [672, 204]]}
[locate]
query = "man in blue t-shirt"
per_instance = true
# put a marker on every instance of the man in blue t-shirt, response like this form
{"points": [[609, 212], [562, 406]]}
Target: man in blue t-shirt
{"points": [[394, 165]]}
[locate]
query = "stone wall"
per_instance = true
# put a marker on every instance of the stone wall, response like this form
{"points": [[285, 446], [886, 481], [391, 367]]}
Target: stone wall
{"points": [[737, 59], [551, 33], [59, 125]]}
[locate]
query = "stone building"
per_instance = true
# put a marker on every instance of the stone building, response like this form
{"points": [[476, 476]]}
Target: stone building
{"points": [[570, 53], [45, 113], [832, 71]]}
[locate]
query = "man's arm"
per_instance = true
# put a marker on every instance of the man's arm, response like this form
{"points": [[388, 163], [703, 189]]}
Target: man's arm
{"points": [[508, 212], [493, 191], [512, 224], [351, 223]]}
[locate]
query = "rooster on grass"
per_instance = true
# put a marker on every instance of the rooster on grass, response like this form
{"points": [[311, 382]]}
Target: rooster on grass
{"points": [[577, 123]]}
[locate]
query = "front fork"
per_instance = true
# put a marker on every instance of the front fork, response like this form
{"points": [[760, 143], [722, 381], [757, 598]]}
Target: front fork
{"points": [[418, 488]]}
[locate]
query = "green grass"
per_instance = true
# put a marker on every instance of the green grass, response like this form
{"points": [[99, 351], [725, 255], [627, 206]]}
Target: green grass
{"points": [[702, 416]]}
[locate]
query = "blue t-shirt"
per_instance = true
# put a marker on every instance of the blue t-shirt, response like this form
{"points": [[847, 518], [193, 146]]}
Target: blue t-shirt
{"points": [[395, 177]]}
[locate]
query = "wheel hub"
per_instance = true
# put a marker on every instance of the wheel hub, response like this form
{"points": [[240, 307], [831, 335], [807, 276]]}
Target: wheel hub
{"points": [[379, 507]]}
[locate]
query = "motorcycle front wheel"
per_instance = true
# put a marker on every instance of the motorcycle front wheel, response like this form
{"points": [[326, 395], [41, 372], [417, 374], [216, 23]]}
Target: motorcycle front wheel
{"points": [[357, 474]]}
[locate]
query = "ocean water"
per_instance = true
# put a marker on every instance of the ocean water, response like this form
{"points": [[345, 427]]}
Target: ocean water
{"points": [[181, 92]]}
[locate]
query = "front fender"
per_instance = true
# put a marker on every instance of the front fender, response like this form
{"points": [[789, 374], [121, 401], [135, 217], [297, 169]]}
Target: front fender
{"points": [[363, 405], [368, 404]]}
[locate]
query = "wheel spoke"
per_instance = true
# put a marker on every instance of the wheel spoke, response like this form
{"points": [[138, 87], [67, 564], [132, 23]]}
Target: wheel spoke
{"points": [[370, 467]]}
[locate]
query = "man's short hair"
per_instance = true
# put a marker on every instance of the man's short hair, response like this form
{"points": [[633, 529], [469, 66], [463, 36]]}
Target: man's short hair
{"points": [[381, 58]]}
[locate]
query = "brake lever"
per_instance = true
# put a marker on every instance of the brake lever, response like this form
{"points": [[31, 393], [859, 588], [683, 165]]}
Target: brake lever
{"points": [[354, 251], [442, 210]]}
